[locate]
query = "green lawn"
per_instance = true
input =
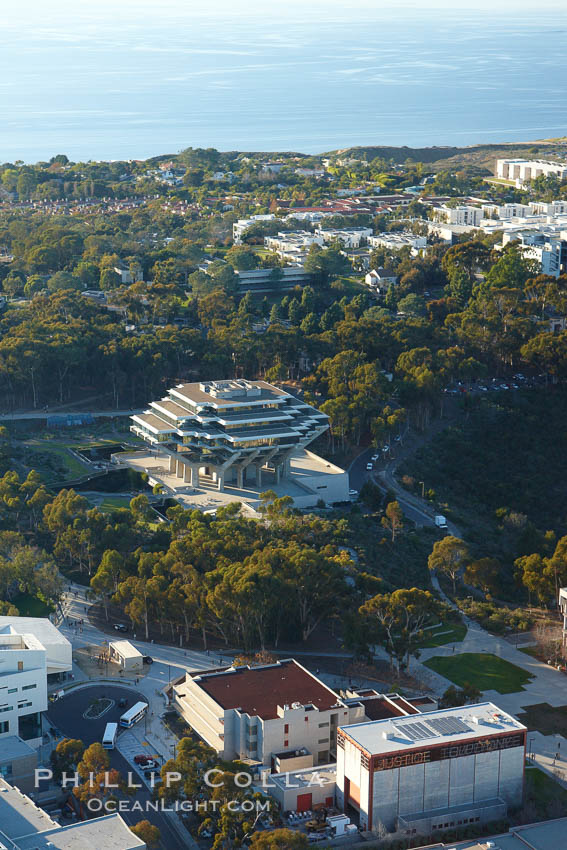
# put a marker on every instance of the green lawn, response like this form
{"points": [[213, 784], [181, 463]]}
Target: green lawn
{"points": [[447, 633], [544, 793], [109, 503], [31, 606], [484, 671], [54, 460]]}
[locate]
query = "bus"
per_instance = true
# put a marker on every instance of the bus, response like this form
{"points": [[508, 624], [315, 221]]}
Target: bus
{"points": [[133, 714], [109, 738]]}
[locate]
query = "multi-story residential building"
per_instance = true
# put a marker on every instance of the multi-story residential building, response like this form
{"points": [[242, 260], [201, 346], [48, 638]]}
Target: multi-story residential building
{"points": [[24, 826], [31, 649], [528, 169], [464, 215], [240, 226], [547, 246], [438, 770], [278, 715], [352, 237], [293, 246], [217, 431], [395, 241]]}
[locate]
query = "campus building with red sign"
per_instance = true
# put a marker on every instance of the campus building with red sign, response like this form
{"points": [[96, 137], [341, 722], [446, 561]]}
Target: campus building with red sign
{"points": [[431, 771]]}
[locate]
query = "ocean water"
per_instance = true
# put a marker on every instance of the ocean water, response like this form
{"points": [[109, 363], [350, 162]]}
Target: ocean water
{"points": [[132, 78]]}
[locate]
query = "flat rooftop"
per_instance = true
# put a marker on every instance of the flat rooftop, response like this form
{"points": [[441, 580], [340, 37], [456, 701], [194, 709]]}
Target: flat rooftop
{"points": [[125, 649], [325, 774], [258, 691], [42, 628], [466, 723], [25, 826], [14, 747], [308, 465], [109, 832], [549, 835], [193, 393]]}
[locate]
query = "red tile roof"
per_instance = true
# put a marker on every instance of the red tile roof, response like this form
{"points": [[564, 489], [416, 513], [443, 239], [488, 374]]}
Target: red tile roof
{"points": [[259, 690]]}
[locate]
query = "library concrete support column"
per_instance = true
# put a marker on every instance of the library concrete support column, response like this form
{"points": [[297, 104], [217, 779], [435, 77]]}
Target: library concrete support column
{"points": [[172, 463], [195, 476], [180, 466], [186, 473], [220, 482], [240, 473], [259, 475]]}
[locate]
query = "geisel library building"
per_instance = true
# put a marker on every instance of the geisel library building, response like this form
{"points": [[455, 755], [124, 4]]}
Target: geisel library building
{"points": [[432, 771], [239, 435]]}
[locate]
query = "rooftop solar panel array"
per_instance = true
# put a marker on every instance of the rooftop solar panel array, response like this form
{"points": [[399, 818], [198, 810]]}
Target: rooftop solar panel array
{"points": [[420, 730]]}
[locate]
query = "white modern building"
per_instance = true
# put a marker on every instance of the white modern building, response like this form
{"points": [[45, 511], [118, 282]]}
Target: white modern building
{"points": [[352, 237], [24, 826], [523, 170], [216, 432], [31, 649], [466, 216], [441, 769], [547, 246], [293, 246], [396, 241], [243, 224]]}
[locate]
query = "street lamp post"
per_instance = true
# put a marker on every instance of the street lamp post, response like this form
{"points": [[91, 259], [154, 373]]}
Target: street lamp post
{"points": [[422, 488]]}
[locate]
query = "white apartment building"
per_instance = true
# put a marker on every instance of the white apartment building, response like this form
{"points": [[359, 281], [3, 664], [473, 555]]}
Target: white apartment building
{"points": [[278, 715], [243, 224], [30, 649], [352, 237], [441, 769], [292, 246], [528, 169], [396, 241], [547, 247], [466, 216]]}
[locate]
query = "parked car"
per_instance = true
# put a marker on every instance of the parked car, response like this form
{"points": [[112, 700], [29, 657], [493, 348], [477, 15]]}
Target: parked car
{"points": [[375, 458], [353, 494], [148, 659], [142, 759], [369, 467], [120, 627], [122, 703]]}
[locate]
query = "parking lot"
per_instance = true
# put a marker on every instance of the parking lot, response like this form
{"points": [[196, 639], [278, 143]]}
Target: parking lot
{"points": [[518, 381]]}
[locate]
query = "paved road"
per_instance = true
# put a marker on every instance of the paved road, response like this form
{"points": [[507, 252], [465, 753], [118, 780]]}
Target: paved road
{"points": [[13, 417], [67, 715]]}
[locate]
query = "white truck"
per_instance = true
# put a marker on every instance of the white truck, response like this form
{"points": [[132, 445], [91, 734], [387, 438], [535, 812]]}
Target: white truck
{"points": [[440, 521]]}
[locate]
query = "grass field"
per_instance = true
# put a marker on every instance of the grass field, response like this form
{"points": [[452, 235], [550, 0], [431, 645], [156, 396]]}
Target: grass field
{"points": [[54, 460], [447, 633], [109, 503], [31, 606], [484, 671], [548, 797]]}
